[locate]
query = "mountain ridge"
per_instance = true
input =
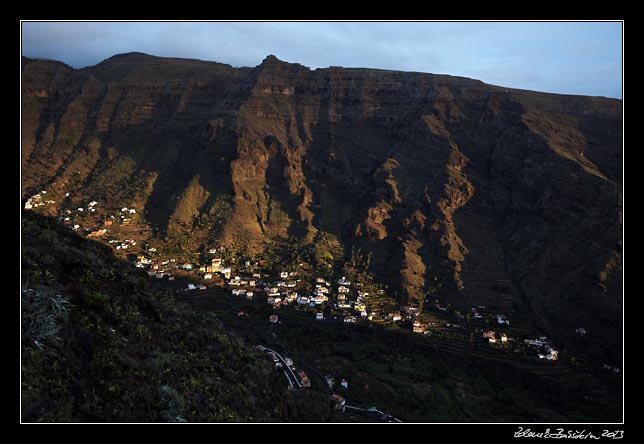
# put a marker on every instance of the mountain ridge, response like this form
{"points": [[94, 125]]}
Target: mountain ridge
{"points": [[272, 59], [438, 177]]}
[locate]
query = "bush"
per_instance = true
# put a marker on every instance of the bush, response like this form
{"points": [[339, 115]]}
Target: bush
{"points": [[171, 404], [43, 314]]}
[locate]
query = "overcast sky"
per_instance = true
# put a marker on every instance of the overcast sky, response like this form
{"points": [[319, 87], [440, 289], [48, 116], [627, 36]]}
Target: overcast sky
{"points": [[561, 57]]}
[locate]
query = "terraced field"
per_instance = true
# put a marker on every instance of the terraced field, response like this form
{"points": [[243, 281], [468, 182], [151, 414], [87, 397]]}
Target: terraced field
{"points": [[563, 389]]}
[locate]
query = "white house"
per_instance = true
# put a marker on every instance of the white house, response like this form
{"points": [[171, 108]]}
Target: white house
{"points": [[302, 300], [319, 299]]}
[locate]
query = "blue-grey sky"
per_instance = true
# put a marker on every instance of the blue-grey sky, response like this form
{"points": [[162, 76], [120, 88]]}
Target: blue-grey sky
{"points": [[562, 57]]}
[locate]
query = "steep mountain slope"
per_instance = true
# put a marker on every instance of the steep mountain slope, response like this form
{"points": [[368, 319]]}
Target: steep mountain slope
{"points": [[464, 192], [101, 343]]}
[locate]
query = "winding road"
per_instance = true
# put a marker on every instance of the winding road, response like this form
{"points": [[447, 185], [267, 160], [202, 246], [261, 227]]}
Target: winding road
{"points": [[292, 378], [381, 416]]}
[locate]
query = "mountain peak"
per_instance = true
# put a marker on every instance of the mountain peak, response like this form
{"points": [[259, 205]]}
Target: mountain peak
{"points": [[128, 56], [272, 63], [270, 59]]}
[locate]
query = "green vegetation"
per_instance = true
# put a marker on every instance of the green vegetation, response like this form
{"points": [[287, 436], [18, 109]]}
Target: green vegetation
{"points": [[43, 314], [103, 343], [276, 215], [219, 212], [415, 378], [326, 250]]}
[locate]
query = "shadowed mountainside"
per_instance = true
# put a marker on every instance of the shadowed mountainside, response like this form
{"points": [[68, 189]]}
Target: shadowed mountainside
{"points": [[462, 191]]}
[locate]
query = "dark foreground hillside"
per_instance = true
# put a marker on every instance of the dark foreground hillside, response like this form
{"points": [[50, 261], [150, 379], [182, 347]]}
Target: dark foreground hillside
{"points": [[101, 343]]}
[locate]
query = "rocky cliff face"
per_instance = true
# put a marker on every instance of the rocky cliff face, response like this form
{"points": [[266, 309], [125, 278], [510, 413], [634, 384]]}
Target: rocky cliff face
{"points": [[462, 191]]}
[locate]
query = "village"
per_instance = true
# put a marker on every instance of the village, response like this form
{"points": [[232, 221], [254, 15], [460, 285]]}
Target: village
{"points": [[326, 298], [339, 300], [269, 300]]}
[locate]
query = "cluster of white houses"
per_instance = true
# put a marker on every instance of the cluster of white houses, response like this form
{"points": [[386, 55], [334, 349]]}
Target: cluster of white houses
{"points": [[37, 201], [495, 337], [123, 245], [544, 349], [350, 301], [159, 269], [68, 215], [542, 346], [352, 304], [284, 291], [90, 208]]}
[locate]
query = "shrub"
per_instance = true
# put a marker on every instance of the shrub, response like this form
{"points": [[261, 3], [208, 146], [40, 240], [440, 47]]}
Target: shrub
{"points": [[43, 314], [171, 404]]}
